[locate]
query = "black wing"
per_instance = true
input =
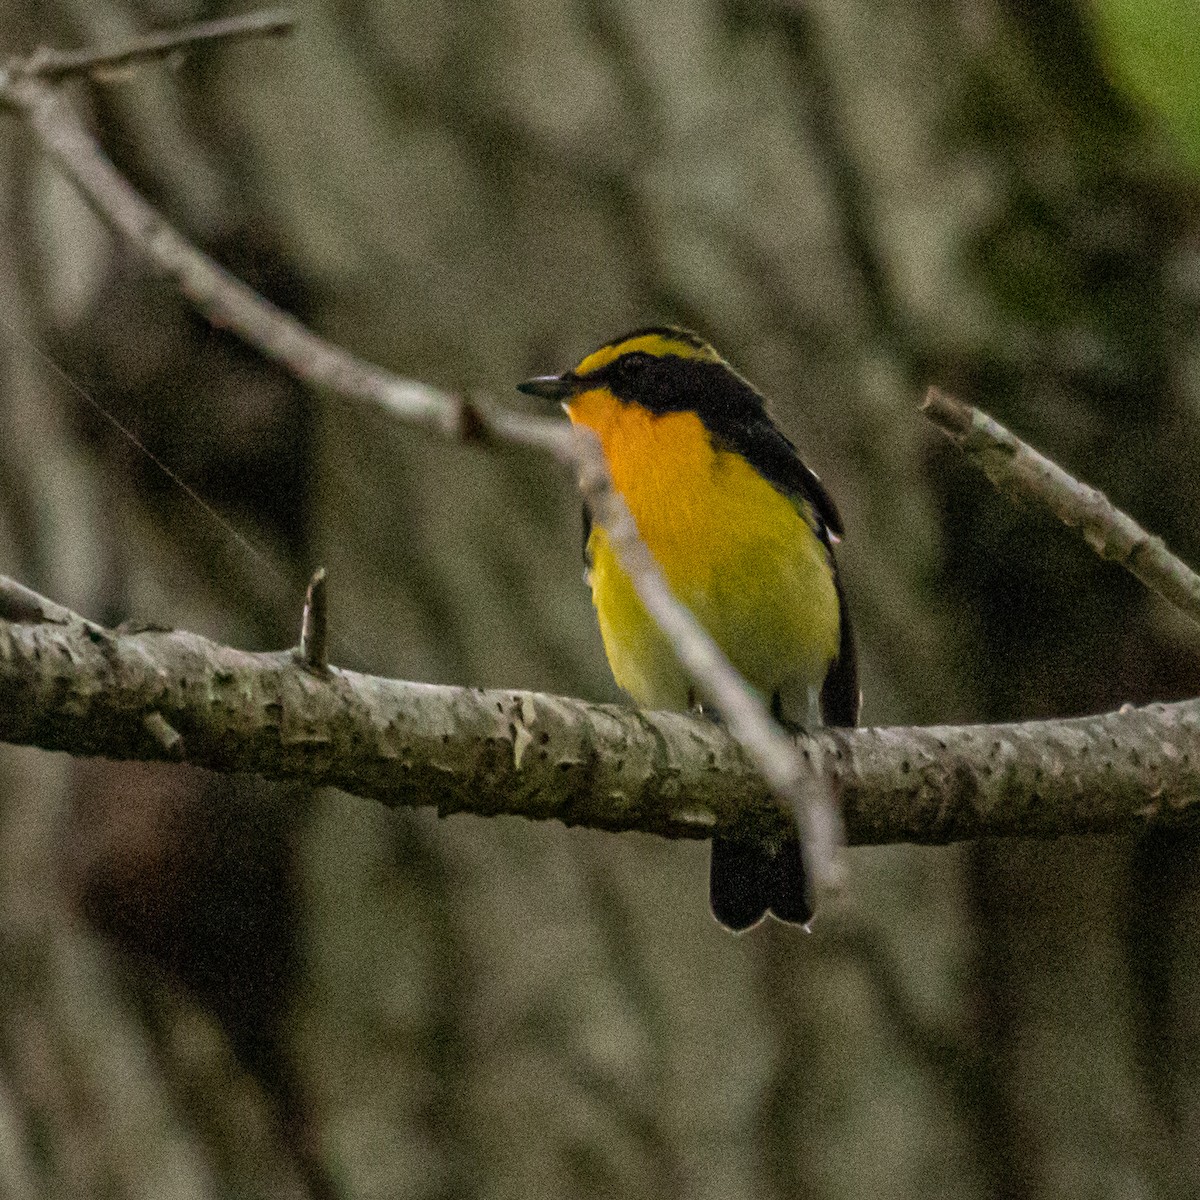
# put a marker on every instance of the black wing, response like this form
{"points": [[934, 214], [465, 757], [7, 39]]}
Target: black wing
{"points": [[840, 695], [762, 444], [766, 448], [587, 534]]}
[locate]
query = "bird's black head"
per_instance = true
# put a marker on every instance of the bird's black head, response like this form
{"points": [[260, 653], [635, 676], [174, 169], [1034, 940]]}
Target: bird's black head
{"points": [[664, 369]]}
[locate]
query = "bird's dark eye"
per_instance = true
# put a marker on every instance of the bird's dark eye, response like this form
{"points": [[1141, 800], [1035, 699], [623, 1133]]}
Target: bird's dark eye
{"points": [[635, 362]]}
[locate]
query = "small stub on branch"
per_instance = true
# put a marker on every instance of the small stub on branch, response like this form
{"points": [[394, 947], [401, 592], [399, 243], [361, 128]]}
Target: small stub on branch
{"points": [[164, 733], [313, 651], [472, 424]]}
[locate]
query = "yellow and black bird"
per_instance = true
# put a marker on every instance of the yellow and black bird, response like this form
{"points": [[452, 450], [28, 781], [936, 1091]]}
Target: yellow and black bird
{"points": [[744, 533]]}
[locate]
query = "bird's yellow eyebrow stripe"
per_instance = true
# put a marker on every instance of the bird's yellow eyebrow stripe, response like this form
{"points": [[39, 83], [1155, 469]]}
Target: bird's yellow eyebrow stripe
{"points": [[658, 344]]}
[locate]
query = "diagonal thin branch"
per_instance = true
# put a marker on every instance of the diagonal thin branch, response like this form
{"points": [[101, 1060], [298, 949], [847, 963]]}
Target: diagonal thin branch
{"points": [[52, 65], [229, 303], [172, 696], [1019, 471], [225, 301]]}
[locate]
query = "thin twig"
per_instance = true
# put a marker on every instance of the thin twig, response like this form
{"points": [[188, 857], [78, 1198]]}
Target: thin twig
{"points": [[314, 628], [52, 65], [595, 765], [1022, 473], [230, 304]]}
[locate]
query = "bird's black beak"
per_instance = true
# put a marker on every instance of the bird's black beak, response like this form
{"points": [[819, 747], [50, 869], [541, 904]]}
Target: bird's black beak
{"points": [[549, 387]]}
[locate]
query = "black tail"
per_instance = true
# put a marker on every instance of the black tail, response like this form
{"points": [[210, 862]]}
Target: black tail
{"points": [[748, 881]]}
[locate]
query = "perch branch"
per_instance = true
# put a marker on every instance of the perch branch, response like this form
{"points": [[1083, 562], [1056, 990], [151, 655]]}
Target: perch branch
{"points": [[65, 687], [1021, 472]]}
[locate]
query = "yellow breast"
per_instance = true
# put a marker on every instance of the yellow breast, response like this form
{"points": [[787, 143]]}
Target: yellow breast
{"points": [[740, 555]]}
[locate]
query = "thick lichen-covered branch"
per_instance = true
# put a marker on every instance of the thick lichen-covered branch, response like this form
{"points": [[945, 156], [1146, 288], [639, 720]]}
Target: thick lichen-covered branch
{"points": [[69, 685]]}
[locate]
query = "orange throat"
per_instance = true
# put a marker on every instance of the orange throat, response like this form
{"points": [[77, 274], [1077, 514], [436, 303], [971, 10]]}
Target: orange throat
{"points": [[743, 557]]}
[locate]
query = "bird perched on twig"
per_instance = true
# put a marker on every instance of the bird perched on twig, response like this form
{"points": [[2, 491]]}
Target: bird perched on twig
{"points": [[744, 533]]}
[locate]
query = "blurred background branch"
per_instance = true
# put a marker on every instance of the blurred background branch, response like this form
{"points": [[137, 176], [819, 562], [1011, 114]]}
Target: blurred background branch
{"points": [[50, 64]]}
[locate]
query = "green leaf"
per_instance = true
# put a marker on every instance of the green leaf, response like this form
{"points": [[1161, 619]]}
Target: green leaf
{"points": [[1152, 50]]}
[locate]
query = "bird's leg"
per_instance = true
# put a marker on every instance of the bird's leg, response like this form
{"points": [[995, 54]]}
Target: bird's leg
{"points": [[813, 721], [698, 708], [788, 716]]}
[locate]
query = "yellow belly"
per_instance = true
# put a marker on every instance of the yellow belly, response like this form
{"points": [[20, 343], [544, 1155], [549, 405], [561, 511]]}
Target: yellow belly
{"points": [[733, 549]]}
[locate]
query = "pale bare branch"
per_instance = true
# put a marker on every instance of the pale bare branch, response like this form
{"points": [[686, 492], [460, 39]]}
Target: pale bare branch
{"points": [[1019, 471]]}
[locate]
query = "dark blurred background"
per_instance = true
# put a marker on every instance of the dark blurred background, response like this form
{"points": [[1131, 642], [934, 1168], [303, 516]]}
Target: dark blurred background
{"points": [[215, 988]]}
